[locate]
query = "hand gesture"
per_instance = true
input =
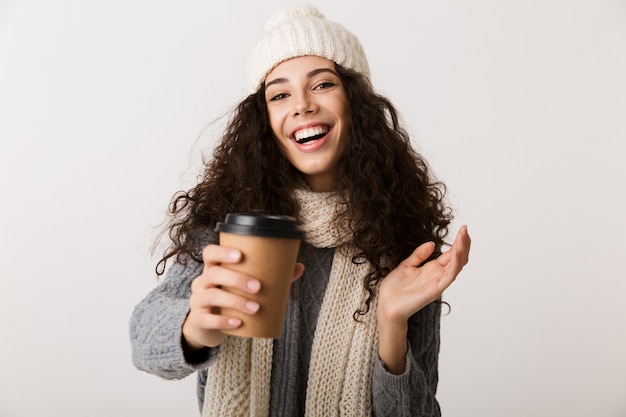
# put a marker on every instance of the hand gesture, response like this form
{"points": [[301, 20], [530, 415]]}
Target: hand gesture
{"points": [[411, 286]]}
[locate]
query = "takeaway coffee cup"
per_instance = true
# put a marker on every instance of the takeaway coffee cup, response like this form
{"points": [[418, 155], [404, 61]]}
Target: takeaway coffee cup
{"points": [[269, 245]]}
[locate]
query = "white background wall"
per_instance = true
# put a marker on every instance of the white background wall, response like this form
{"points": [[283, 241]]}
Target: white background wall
{"points": [[519, 106]]}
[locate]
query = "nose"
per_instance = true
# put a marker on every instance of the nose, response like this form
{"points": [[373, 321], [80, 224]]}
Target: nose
{"points": [[304, 104]]}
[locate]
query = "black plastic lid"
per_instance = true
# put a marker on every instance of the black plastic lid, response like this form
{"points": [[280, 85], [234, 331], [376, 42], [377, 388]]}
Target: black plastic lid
{"points": [[253, 224]]}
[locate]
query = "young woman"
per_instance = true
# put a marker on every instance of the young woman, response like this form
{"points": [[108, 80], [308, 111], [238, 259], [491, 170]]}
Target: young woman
{"points": [[314, 141]]}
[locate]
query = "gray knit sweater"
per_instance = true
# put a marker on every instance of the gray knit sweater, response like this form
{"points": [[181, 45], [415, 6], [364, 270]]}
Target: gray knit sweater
{"points": [[156, 331]]}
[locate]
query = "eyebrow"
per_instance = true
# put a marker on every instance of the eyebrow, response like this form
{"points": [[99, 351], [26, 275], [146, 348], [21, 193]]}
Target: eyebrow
{"points": [[309, 75]]}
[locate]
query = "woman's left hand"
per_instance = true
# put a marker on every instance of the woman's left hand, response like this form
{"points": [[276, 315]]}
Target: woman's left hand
{"points": [[411, 287]]}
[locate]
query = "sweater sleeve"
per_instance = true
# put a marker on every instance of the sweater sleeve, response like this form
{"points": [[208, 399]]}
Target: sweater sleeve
{"points": [[412, 393], [156, 326]]}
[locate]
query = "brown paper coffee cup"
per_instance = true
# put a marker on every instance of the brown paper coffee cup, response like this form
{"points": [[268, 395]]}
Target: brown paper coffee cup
{"points": [[269, 245]]}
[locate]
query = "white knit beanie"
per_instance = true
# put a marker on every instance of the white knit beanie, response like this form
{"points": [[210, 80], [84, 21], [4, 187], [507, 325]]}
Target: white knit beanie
{"points": [[299, 31]]}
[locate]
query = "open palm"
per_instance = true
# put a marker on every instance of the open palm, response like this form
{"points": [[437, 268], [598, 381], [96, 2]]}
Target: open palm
{"points": [[410, 287]]}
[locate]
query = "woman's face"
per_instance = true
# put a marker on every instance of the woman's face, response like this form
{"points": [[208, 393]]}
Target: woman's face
{"points": [[308, 113]]}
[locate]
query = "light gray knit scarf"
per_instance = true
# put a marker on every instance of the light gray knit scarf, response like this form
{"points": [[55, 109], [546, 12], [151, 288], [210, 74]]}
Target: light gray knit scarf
{"points": [[339, 380]]}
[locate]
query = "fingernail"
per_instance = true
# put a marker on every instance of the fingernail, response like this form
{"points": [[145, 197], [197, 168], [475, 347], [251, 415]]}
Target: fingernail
{"points": [[233, 254], [253, 285], [234, 322], [252, 306]]}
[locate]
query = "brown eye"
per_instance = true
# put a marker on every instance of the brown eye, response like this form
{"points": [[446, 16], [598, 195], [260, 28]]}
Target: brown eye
{"points": [[278, 97], [324, 85]]}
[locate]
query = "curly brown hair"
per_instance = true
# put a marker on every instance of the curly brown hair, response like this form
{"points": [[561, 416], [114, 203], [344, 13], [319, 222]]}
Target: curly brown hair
{"points": [[396, 204]]}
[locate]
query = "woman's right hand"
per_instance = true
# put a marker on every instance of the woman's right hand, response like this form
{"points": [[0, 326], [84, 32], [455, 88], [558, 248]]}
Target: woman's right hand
{"points": [[204, 323]]}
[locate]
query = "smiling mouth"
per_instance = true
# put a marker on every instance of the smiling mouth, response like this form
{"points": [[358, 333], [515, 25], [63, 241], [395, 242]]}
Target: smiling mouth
{"points": [[310, 134]]}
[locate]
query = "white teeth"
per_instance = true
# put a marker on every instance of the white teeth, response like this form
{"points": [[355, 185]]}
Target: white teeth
{"points": [[311, 131]]}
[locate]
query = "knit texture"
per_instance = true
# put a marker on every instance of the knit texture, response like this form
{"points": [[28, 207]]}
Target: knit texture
{"points": [[343, 352], [298, 31], [155, 335]]}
